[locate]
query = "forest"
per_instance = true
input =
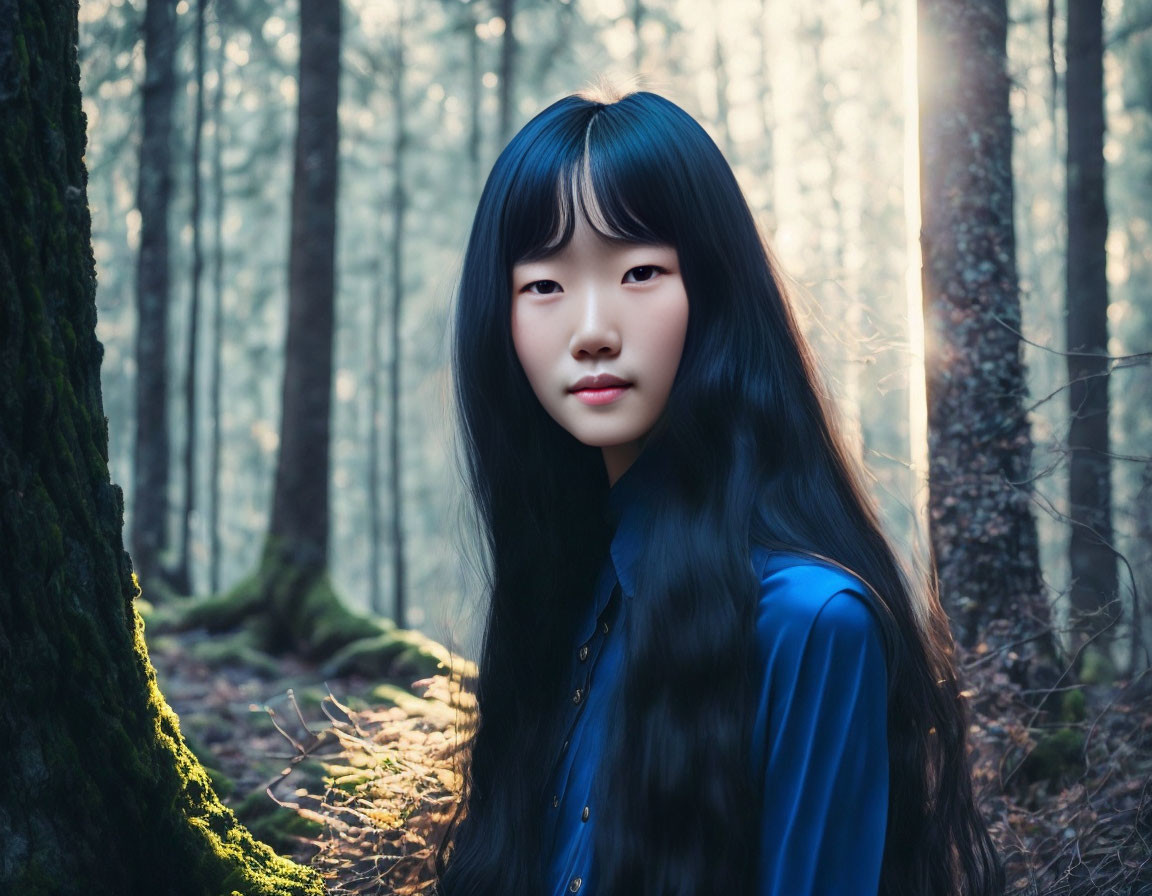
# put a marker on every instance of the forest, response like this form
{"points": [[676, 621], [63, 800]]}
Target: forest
{"points": [[241, 584]]}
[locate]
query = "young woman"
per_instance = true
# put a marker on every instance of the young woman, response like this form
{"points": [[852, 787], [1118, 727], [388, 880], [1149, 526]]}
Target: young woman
{"points": [[704, 669]]}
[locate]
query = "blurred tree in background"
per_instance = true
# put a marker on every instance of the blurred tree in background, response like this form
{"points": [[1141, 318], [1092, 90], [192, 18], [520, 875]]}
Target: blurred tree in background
{"points": [[1091, 552], [152, 456]]}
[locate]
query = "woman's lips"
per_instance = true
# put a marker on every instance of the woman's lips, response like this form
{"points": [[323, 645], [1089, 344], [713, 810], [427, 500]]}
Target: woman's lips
{"points": [[605, 395]]}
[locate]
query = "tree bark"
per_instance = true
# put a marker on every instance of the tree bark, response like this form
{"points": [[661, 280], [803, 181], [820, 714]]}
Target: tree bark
{"points": [[154, 187], [1092, 560], [100, 793], [983, 535]]}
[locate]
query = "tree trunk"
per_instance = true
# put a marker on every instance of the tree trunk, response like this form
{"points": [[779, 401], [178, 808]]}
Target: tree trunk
{"points": [[218, 334], [839, 291], [637, 23], [181, 575], [300, 499], [375, 528], [723, 114], [100, 793], [399, 203], [1092, 560], [475, 134], [983, 535], [766, 107], [154, 186], [507, 71]]}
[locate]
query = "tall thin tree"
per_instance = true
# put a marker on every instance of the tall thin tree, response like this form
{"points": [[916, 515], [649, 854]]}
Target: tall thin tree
{"points": [[216, 347], [1091, 557], [181, 574], [375, 420], [153, 194], [475, 130], [637, 25], [983, 535], [508, 53], [765, 106], [100, 793], [399, 208]]}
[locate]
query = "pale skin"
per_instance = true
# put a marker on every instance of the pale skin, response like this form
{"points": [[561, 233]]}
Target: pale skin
{"points": [[601, 307]]}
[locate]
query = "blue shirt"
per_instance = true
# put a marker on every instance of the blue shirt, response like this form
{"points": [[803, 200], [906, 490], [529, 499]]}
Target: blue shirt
{"points": [[819, 736]]}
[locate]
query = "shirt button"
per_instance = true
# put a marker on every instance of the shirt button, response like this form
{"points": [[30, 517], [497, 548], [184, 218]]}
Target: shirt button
{"points": [[575, 885], [584, 814], [565, 747], [578, 696], [555, 801], [604, 627], [583, 652]]}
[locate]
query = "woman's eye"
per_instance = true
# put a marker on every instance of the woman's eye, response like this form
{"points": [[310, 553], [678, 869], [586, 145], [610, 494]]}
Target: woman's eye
{"points": [[642, 273], [542, 287]]}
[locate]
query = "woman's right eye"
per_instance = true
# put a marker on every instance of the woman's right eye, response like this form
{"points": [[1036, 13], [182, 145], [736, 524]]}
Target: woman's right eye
{"points": [[541, 287]]}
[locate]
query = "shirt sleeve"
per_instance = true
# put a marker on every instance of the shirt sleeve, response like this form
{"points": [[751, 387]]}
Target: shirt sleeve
{"points": [[822, 742]]}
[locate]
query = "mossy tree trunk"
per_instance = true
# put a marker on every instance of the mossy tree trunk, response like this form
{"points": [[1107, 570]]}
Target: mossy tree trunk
{"points": [[99, 793], [982, 531], [1091, 557], [154, 187]]}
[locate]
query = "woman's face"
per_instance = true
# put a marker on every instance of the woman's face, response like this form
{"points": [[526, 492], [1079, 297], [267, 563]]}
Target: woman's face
{"points": [[599, 329]]}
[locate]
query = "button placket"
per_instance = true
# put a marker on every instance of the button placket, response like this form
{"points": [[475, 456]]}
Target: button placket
{"points": [[589, 649]]}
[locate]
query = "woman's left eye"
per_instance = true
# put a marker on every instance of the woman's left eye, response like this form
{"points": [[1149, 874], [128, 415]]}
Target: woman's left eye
{"points": [[643, 273]]}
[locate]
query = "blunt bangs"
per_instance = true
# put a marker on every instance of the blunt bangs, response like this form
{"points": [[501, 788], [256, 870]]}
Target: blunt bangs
{"points": [[607, 163]]}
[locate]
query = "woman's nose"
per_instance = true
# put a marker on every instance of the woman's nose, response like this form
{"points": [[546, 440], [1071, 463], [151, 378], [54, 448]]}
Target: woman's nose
{"points": [[597, 332]]}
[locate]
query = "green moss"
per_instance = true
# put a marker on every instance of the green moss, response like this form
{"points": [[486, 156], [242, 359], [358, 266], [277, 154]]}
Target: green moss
{"points": [[222, 848], [398, 653], [1057, 756], [1072, 706], [1096, 666], [235, 649], [281, 609], [280, 826]]}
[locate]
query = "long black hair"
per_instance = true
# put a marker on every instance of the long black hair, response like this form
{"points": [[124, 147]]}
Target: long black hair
{"points": [[752, 455]]}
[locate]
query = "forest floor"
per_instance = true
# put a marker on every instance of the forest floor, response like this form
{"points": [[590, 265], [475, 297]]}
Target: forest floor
{"points": [[354, 776]]}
